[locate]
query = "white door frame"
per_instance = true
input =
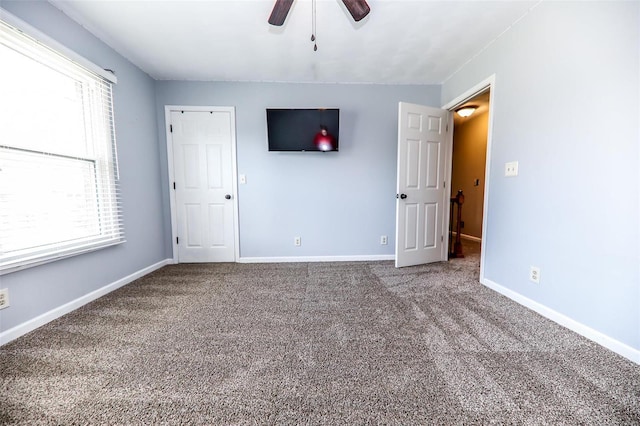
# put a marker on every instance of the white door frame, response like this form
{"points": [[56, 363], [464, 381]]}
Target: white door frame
{"points": [[234, 168], [488, 83]]}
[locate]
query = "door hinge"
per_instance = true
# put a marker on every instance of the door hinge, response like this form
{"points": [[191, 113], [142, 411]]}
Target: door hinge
{"points": [[174, 185], [177, 240], [441, 238], [170, 128], [447, 128]]}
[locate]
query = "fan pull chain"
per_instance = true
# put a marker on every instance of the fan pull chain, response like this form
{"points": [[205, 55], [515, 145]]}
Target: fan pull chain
{"points": [[313, 25]]}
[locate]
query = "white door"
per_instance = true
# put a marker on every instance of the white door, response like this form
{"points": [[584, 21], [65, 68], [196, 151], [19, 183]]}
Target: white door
{"points": [[202, 143], [420, 206]]}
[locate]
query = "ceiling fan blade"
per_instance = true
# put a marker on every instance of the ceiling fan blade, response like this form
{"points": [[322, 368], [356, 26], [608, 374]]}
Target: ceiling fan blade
{"points": [[357, 8], [279, 12]]}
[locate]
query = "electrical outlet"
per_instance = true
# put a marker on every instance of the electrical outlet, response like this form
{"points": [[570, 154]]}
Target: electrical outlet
{"points": [[534, 274], [4, 298], [383, 240], [297, 241], [511, 168]]}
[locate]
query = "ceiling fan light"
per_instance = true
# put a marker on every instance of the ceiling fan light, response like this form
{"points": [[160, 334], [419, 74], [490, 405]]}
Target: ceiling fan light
{"points": [[466, 111]]}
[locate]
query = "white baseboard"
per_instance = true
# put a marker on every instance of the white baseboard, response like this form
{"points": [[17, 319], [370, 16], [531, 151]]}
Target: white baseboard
{"points": [[293, 259], [26, 327], [468, 237], [573, 325]]}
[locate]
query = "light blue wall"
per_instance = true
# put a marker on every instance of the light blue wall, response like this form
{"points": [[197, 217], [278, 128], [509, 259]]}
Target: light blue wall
{"points": [[35, 291], [339, 203], [567, 108]]}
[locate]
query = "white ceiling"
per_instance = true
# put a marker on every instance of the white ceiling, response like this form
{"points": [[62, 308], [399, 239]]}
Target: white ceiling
{"points": [[399, 42]]}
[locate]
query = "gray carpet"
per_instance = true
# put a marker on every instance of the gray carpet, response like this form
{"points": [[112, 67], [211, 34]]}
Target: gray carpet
{"points": [[312, 343]]}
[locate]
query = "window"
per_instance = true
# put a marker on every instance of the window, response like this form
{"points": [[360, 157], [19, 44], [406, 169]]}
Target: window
{"points": [[58, 167]]}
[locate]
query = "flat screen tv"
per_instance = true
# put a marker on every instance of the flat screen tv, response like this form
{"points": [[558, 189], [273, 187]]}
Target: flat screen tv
{"points": [[310, 129]]}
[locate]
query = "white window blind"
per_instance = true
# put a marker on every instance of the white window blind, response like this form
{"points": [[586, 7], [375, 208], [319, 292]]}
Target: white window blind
{"points": [[58, 166]]}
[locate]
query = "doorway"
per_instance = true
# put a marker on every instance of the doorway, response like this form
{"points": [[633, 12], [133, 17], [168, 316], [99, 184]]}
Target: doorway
{"points": [[201, 153], [482, 96], [468, 166]]}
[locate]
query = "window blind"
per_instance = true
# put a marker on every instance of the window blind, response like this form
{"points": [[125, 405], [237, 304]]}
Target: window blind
{"points": [[59, 192]]}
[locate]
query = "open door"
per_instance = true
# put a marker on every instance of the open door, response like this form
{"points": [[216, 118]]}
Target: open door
{"points": [[421, 195]]}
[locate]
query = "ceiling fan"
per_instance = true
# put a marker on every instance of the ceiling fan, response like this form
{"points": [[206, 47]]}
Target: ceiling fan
{"points": [[357, 8]]}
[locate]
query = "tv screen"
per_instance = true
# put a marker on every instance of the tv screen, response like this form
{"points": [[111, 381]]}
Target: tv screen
{"points": [[303, 129]]}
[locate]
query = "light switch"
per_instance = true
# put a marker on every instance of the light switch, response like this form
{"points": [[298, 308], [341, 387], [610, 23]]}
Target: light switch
{"points": [[243, 179], [511, 168]]}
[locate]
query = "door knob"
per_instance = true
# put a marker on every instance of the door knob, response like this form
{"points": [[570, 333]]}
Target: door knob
{"points": [[228, 197], [402, 196]]}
